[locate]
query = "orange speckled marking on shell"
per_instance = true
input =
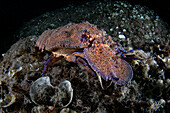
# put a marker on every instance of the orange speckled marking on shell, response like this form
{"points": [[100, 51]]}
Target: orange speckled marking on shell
{"points": [[104, 61], [67, 36]]}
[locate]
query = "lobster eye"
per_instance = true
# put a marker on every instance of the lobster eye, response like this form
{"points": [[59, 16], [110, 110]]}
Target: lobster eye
{"points": [[85, 36]]}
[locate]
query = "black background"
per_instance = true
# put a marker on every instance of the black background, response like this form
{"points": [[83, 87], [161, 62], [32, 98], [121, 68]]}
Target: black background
{"points": [[14, 13]]}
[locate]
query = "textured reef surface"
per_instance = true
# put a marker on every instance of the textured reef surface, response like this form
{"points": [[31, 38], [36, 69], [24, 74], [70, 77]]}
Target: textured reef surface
{"points": [[69, 87]]}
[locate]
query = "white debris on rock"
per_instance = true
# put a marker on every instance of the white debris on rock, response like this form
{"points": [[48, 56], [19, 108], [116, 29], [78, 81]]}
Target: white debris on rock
{"points": [[122, 36]]}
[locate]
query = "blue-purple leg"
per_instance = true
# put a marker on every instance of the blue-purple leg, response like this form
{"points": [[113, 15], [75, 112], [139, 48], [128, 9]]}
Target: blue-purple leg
{"points": [[84, 63], [128, 51], [123, 56], [77, 57], [132, 50], [49, 62], [46, 66]]}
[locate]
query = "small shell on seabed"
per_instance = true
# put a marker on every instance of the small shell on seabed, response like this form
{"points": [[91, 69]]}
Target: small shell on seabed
{"points": [[43, 93], [15, 69], [65, 88], [8, 100], [8, 97]]}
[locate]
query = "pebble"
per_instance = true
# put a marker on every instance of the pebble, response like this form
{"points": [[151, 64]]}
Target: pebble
{"points": [[122, 36]]}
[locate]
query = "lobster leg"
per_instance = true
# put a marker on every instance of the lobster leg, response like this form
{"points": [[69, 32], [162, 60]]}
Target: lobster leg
{"points": [[125, 56], [49, 62], [78, 59]]}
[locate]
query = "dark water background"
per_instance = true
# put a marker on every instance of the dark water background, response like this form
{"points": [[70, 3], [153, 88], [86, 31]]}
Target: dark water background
{"points": [[13, 14]]}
